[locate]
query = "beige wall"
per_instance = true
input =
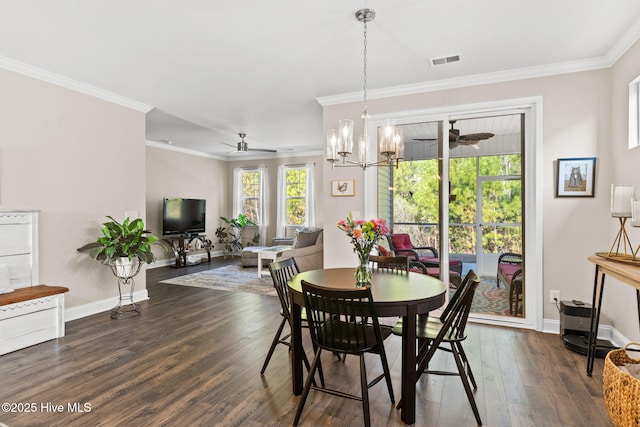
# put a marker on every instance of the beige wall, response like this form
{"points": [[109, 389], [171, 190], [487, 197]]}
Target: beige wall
{"points": [[577, 123], [175, 174], [620, 300], [76, 159]]}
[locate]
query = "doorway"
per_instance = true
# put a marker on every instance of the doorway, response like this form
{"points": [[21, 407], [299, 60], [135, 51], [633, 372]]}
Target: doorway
{"points": [[479, 213]]}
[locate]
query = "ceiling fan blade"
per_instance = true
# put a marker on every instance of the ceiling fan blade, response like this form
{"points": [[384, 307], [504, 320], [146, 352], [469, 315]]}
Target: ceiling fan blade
{"points": [[476, 136], [424, 139], [266, 150]]}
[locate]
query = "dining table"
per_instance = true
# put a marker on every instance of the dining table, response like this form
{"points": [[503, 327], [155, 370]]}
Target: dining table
{"points": [[394, 294]]}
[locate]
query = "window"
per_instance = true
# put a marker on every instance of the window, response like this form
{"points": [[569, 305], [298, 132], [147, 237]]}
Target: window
{"points": [[248, 190], [296, 198], [634, 113]]}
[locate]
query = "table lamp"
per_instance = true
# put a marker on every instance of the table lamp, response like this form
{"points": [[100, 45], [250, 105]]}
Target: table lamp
{"points": [[622, 198]]}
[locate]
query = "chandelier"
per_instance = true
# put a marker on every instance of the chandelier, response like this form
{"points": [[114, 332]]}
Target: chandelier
{"points": [[340, 141]]}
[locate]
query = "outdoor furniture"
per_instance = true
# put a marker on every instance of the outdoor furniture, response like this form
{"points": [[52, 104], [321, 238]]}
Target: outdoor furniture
{"points": [[510, 273], [419, 267], [400, 244]]}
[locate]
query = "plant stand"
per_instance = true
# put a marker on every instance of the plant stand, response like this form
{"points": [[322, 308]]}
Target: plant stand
{"points": [[126, 305]]}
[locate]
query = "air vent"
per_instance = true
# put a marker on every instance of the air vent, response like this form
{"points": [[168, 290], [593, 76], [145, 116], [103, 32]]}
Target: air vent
{"points": [[444, 60]]}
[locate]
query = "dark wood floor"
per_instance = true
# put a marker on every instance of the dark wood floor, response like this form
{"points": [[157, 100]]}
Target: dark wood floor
{"points": [[193, 357]]}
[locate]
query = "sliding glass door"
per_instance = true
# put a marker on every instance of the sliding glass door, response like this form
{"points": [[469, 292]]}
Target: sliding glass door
{"points": [[485, 203]]}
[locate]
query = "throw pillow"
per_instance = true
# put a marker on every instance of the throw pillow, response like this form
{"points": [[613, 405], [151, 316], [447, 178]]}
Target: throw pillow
{"points": [[306, 238], [383, 251]]}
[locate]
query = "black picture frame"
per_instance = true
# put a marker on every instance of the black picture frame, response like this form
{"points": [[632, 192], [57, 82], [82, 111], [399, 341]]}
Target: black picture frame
{"points": [[576, 177]]}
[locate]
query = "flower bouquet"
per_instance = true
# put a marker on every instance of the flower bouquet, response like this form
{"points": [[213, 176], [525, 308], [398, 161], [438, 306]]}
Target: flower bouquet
{"points": [[364, 237]]}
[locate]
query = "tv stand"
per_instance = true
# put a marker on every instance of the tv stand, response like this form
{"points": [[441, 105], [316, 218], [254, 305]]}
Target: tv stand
{"points": [[181, 246]]}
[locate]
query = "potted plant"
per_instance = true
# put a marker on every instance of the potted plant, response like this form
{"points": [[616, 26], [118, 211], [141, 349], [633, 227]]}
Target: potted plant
{"points": [[123, 246], [230, 237]]}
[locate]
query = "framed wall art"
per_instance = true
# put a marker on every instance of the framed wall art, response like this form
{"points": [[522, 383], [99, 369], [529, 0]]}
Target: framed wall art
{"points": [[341, 188], [576, 177]]}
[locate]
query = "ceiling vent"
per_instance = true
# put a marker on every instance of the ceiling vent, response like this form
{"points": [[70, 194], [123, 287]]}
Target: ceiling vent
{"points": [[444, 60]]}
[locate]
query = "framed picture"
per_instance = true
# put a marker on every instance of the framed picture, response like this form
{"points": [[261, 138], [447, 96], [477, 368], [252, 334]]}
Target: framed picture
{"points": [[576, 177], [341, 188]]}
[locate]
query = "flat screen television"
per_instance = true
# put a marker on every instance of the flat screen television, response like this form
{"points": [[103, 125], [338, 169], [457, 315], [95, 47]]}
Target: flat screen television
{"points": [[183, 216]]}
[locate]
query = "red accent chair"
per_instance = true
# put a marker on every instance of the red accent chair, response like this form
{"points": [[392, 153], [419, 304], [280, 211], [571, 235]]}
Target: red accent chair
{"points": [[400, 244], [510, 273]]}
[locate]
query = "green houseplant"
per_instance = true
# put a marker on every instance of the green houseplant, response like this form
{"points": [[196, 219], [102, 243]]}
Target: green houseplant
{"points": [[122, 242], [230, 236]]}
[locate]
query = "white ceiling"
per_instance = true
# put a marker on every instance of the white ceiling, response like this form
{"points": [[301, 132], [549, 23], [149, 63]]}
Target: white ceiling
{"points": [[213, 68]]}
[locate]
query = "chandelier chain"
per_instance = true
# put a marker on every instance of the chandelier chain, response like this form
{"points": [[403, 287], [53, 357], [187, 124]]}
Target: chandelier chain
{"points": [[364, 107]]}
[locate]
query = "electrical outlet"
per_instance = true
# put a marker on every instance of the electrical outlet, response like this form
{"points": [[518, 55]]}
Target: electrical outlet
{"points": [[554, 296]]}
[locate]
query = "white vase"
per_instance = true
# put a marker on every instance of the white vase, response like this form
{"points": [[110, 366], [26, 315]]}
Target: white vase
{"points": [[125, 267]]}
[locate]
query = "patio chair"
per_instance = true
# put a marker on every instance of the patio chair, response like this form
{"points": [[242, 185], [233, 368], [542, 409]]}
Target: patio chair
{"points": [[400, 244]]}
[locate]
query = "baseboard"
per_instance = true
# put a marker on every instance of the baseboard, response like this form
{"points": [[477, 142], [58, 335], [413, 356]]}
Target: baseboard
{"points": [[605, 332], [100, 306]]}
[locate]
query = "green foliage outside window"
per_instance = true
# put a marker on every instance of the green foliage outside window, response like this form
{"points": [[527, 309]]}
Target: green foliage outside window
{"points": [[296, 202], [416, 202], [251, 195]]}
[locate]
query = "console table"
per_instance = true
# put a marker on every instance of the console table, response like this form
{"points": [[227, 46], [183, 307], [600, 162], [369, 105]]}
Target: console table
{"points": [[180, 247], [626, 273]]}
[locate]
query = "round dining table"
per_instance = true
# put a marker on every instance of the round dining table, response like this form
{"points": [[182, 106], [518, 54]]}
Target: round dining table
{"points": [[394, 294]]}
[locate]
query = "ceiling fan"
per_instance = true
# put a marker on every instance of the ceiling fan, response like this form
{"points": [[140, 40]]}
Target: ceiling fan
{"points": [[243, 148], [455, 139]]}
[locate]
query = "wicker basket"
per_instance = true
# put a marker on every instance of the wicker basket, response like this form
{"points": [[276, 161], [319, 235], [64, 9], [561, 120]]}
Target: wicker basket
{"points": [[621, 391]]}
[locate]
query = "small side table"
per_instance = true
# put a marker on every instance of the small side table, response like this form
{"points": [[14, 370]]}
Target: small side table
{"points": [[273, 253]]}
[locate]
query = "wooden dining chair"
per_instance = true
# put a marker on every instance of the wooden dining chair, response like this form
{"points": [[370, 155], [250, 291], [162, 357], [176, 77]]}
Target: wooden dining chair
{"points": [[447, 333], [344, 321], [281, 272], [394, 264]]}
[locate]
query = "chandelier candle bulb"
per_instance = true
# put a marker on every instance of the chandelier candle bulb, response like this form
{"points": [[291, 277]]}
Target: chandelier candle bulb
{"points": [[332, 145], [362, 149], [345, 137], [621, 196]]}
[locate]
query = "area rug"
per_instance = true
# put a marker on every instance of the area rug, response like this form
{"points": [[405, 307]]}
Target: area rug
{"points": [[228, 278], [490, 299], [487, 299]]}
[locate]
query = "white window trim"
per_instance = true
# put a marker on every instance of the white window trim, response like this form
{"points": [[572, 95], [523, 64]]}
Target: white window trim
{"points": [[310, 208], [237, 195]]}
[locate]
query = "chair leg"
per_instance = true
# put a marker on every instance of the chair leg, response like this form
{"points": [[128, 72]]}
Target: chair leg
{"points": [[387, 375], [307, 387], [465, 383], [465, 360], [274, 343], [364, 385]]}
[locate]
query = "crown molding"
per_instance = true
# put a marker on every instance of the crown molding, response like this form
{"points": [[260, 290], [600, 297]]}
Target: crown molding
{"points": [[628, 39], [231, 158], [473, 80], [67, 83], [168, 147]]}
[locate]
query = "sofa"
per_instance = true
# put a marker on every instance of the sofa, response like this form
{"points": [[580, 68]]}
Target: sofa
{"points": [[307, 250]]}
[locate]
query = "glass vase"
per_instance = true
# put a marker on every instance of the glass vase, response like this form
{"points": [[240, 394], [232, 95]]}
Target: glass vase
{"points": [[363, 271]]}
